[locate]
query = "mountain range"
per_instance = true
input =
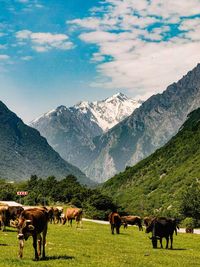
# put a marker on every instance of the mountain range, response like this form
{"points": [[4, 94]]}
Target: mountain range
{"points": [[149, 127], [24, 152], [103, 138], [72, 131], [155, 185]]}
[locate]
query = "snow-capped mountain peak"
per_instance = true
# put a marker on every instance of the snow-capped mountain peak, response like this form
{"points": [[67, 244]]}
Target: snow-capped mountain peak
{"points": [[107, 113]]}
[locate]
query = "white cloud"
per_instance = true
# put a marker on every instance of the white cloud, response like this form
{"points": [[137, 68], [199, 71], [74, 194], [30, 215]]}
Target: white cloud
{"points": [[137, 48], [4, 57], [27, 58], [42, 42]]}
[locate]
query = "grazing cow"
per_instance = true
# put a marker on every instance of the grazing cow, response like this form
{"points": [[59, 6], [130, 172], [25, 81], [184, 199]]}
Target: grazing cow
{"points": [[57, 211], [132, 220], [55, 214], [162, 227], [73, 214], [115, 222], [33, 222], [7, 214]]}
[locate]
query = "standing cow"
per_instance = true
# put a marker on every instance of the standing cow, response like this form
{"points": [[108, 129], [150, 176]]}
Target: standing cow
{"points": [[115, 222], [73, 214], [162, 227], [33, 222], [132, 220]]}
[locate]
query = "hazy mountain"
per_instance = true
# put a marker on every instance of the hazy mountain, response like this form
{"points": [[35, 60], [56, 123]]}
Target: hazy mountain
{"points": [[155, 184], [70, 131], [24, 152], [146, 129]]}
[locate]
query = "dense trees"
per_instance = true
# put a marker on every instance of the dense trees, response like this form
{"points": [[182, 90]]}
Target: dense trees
{"points": [[52, 192], [190, 205]]}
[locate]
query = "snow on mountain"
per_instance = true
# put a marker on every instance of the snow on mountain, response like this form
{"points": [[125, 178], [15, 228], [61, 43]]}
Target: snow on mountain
{"points": [[107, 113]]}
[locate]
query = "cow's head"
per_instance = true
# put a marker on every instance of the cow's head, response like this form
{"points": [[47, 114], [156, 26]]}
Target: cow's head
{"points": [[25, 229], [149, 228]]}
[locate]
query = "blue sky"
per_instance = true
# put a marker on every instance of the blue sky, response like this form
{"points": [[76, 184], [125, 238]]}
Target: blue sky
{"points": [[62, 51]]}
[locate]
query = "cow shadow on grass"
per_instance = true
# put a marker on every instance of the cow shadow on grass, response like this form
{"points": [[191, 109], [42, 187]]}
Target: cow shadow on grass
{"points": [[58, 257], [171, 249], [179, 249]]}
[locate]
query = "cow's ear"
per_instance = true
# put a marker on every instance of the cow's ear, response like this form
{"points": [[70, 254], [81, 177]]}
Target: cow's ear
{"points": [[31, 227]]}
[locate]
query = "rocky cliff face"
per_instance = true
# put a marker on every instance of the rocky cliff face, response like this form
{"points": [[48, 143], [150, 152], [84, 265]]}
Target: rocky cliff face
{"points": [[148, 128], [71, 131], [24, 152]]}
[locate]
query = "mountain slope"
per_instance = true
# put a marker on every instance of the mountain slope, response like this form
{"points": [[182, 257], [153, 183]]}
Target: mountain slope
{"points": [[24, 152], [156, 183], [70, 131], [146, 129]]}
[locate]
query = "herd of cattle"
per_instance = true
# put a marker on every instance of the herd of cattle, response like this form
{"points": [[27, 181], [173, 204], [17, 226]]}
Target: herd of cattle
{"points": [[33, 222], [161, 227]]}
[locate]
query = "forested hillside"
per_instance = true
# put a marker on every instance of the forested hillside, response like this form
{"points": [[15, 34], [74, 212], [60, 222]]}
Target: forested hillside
{"points": [[156, 184]]}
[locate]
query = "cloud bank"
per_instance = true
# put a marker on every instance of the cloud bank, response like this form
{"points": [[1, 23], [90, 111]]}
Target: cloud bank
{"points": [[142, 45]]}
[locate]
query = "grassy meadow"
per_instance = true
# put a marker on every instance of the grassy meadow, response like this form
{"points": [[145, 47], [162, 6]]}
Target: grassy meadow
{"points": [[93, 245]]}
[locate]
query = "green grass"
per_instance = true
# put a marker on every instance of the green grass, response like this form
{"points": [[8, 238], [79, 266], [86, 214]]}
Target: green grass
{"points": [[93, 245]]}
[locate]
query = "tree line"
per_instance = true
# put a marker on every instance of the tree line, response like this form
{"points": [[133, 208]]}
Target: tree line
{"points": [[50, 191], [96, 205]]}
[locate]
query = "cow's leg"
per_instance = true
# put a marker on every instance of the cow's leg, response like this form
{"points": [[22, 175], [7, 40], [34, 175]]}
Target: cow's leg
{"points": [[21, 246], [117, 229], [35, 246], [112, 229], [69, 222], [39, 244], [161, 245], [167, 239], [44, 242], [140, 227], [171, 239]]}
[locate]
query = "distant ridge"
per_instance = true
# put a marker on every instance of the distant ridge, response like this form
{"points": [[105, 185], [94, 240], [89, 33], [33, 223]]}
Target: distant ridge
{"points": [[71, 131]]}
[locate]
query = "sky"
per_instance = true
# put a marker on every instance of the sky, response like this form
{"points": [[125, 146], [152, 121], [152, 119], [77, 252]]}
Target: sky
{"points": [[59, 52]]}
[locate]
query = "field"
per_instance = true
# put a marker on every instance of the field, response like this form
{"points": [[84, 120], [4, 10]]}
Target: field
{"points": [[93, 245]]}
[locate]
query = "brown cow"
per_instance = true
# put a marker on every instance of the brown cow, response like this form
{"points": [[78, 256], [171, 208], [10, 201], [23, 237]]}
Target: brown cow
{"points": [[132, 220], [115, 222], [7, 214], [57, 211], [55, 214], [73, 213], [33, 222]]}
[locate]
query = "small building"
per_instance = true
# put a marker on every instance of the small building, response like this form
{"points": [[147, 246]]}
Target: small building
{"points": [[10, 203]]}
